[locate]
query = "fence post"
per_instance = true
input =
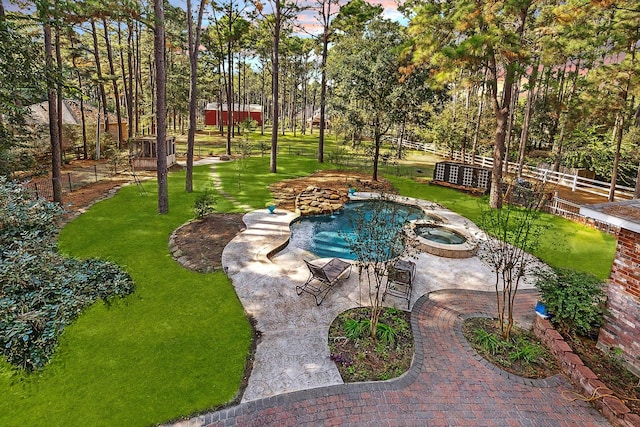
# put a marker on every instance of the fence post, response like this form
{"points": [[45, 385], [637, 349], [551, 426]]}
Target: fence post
{"points": [[69, 179], [95, 172], [35, 186], [575, 182]]}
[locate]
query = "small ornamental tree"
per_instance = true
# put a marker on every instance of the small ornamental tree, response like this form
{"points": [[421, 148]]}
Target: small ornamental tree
{"points": [[377, 239], [40, 290], [512, 233]]}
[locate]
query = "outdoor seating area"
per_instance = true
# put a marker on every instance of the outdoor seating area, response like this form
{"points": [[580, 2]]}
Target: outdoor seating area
{"points": [[400, 280], [322, 279]]}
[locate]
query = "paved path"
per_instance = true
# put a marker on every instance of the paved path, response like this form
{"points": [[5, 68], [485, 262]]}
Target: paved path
{"points": [[447, 385]]}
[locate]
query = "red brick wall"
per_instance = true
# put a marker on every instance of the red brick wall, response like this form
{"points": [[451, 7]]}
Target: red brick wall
{"points": [[622, 327]]}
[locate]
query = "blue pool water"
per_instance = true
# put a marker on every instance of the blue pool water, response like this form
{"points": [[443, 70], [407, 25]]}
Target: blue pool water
{"points": [[327, 235]]}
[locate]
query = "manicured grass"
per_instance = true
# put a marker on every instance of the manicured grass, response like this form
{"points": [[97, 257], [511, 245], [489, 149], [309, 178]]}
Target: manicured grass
{"points": [[563, 243], [176, 346], [250, 183]]}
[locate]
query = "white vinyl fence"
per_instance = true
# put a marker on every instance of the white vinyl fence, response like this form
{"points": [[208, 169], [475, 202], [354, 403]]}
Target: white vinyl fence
{"points": [[572, 181]]}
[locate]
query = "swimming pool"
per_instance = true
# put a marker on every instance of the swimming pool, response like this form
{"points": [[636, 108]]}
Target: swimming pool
{"points": [[328, 236]]}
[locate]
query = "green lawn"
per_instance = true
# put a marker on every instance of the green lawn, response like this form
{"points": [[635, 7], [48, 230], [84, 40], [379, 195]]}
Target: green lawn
{"points": [[176, 346]]}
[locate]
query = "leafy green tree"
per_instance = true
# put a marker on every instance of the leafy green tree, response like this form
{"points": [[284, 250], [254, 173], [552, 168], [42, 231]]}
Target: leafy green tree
{"points": [[354, 16], [475, 35], [366, 80]]}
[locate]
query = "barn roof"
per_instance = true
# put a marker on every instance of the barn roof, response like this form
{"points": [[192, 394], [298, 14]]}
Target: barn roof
{"points": [[39, 113], [253, 108]]}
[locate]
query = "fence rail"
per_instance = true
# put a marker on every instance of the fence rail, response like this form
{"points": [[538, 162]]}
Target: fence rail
{"points": [[571, 211], [572, 181], [72, 180]]}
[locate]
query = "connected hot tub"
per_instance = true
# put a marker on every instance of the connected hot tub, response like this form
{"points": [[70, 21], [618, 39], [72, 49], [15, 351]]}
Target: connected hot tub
{"points": [[442, 239]]}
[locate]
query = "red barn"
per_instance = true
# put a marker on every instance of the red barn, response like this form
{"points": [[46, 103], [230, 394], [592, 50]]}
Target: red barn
{"points": [[218, 114]]}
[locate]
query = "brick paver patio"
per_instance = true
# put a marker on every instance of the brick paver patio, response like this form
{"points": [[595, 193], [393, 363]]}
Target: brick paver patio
{"points": [[447, 385]]}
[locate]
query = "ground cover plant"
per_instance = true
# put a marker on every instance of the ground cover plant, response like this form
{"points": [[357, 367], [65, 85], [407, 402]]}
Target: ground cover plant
{"points": [[42, 291], [176, 346], [522, 353], [360, 357]]}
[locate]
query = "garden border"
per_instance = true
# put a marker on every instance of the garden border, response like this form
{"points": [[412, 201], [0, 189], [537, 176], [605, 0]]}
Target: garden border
{"points": [[584, 378]]}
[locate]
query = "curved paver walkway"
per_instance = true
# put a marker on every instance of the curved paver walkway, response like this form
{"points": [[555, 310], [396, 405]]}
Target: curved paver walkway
{"points": [[447, 385]]}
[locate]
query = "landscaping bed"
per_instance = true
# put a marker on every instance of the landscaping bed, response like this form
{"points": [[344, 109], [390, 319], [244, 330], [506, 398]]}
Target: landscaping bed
{"points": [[358, 357], [523, 354]]}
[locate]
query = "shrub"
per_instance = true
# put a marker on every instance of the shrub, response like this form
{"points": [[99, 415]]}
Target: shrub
{"points": [[576, 300], [41, 291], [205, 204]]}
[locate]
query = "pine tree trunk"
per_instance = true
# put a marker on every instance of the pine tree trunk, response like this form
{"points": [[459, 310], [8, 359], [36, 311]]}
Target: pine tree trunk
{"points": [[83, 123], [275, 75], [229, 94], [126, 85], [103, 94], [194, 42], [524, 135], [59, 93], [116, 94], [53, 115], [323, 87], [161, 107], [619, 130]]}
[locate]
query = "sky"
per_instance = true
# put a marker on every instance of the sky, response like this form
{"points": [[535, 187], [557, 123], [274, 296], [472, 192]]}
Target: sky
{"points": [[308, 23], [311, 24]]}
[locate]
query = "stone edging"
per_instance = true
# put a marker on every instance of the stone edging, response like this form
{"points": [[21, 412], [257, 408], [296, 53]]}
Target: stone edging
{"points": [[571, 365], [176, 252]]}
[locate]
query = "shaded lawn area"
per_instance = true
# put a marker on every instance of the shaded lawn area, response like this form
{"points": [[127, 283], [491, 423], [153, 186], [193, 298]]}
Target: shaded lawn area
{"points": [[249, 184], [176, 346], [564, 243]]}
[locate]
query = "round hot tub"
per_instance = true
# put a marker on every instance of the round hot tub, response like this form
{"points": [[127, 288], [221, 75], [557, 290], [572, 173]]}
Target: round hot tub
{"points": [[442, 240]]}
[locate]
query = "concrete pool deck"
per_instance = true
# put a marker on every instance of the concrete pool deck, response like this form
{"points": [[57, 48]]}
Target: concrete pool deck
{"points": [[292, 353], [294, 383]]}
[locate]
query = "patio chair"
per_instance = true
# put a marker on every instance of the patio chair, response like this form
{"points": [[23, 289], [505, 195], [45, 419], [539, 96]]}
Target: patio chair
{"points": [[400, 280], [321, 279]]}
